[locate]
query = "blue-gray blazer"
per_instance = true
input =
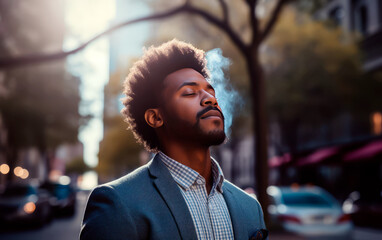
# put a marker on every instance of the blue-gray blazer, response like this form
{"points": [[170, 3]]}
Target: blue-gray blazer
{"points": [[147, 204]]}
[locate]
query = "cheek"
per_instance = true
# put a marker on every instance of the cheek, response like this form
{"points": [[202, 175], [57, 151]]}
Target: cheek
{"points": [[186, 114], [180, 111], [187, 105]]}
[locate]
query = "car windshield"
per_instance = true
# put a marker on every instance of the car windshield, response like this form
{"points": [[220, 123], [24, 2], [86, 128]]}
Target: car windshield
{"points": [[18, 191], [302, 199]]}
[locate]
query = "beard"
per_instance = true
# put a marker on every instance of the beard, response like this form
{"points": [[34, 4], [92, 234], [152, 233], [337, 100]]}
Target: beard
{"points": [[213, 138], [209, 138], [197, 132]]}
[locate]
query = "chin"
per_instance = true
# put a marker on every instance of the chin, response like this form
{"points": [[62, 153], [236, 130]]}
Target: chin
{"points": [[214, 137]]}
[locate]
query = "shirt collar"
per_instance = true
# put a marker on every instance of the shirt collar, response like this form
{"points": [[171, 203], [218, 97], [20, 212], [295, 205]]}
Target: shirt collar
{"points": [[217, 175], [185, 176]]}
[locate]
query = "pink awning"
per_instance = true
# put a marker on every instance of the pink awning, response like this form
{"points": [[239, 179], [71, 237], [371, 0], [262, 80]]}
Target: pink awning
{"points": [[368, 151], [317, 156], [277, 161]]}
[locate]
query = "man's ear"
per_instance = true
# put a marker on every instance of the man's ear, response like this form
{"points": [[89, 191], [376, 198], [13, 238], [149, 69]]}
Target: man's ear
{"points": [[153, 118]]}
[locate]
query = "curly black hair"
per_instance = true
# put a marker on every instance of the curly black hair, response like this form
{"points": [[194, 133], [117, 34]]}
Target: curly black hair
{"points": [[143, 84]]}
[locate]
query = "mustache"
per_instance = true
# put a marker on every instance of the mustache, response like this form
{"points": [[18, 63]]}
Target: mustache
{"points": [[207, 109]]}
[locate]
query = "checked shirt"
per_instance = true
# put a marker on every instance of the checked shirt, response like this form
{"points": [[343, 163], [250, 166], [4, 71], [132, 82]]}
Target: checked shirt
{"points": [[209, 212]]}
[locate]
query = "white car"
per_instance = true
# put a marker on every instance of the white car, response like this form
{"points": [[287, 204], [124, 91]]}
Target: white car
{"points": [[308, 211]]}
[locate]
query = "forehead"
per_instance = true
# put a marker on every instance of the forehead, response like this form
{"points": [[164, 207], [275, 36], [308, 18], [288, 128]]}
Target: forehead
{"points": [[175, 80]]}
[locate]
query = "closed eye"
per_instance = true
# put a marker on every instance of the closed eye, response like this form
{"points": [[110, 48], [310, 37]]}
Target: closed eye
{"points": [[188, 94]]}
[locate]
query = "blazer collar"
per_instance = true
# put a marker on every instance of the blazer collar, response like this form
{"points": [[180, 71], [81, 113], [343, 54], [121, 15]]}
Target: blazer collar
{"points": [[236, 213], [171, 194]]}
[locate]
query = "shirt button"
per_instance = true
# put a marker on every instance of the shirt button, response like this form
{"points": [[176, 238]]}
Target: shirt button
{"points": [[199, 181]]}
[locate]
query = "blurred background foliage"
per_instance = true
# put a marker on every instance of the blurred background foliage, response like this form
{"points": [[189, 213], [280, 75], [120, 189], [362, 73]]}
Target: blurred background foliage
{"points": [[76, 166], [315, 77], [39, 103], [118, 149]]}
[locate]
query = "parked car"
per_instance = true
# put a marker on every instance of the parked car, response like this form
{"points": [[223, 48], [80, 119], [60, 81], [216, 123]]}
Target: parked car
{"points": [[308, 211], [364, 211], [64, 196], [24, 204]]}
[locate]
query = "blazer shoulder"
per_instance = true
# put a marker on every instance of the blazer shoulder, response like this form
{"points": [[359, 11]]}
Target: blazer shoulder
{"points": [[137, 189], [136, 178], [109, 207], [240, 193], [140, 172], [104, 214]]}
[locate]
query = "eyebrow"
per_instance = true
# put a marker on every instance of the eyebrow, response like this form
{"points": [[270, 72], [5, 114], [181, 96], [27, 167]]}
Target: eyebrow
{"points": [[209, 86]]}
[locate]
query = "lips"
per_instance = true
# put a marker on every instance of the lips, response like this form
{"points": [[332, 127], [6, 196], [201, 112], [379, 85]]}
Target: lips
{"points": [[212, 113]]}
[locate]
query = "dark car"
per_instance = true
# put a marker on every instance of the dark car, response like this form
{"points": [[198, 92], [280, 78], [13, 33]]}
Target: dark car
{"points": [[365, 211], [25, 204], [64, 197]]}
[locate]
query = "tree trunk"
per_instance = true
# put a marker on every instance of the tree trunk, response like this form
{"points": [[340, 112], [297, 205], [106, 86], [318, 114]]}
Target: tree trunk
{"points": [[257, 88]]}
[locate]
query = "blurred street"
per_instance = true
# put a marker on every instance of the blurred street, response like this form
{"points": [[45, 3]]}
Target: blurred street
{"points": [[69, 228], [59, 228]]}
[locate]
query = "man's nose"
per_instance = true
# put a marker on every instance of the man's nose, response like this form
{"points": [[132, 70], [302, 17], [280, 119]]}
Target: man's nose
{"points": [[208, 99]]}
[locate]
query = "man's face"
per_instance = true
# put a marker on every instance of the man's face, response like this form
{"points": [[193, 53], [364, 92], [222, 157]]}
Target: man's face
{"points": [[190, 110]]}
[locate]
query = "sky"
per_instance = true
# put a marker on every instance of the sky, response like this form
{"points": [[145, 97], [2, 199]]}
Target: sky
{"points": [[91, 65], [84, 19]]}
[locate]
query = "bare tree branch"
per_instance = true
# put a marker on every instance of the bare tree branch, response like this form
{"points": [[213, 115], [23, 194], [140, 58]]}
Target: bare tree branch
{"points": [[39, 58], [224, 7], [275, 15], [222, 26], [186, 7], [254, 23]]}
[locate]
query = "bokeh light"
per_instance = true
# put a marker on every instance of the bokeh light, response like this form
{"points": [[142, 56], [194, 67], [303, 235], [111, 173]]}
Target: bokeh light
{"points": [[18, 171], [4, 168], [29, 207], [24, 174]]}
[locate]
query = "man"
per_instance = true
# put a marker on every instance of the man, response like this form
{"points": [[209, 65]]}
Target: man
{"points": [[181, 193]]}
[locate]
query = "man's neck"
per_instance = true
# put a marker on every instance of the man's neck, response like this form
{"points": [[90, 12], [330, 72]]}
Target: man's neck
{"points": [[197, 158]]}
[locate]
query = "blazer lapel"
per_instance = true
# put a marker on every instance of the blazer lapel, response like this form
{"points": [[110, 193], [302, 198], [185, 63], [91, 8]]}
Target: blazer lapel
{"points": [[236, 214], [171, 194]]}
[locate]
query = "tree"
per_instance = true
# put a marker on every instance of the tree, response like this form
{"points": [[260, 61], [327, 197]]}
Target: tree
{"points": [[76, 166], [118, 151], [248, 48], [314, 77], [41, 108], [40, 104]]}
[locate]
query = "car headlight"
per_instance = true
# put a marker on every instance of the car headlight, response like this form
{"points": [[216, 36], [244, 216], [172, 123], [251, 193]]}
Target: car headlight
{"points": [[349, 207], [29, 207]]}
